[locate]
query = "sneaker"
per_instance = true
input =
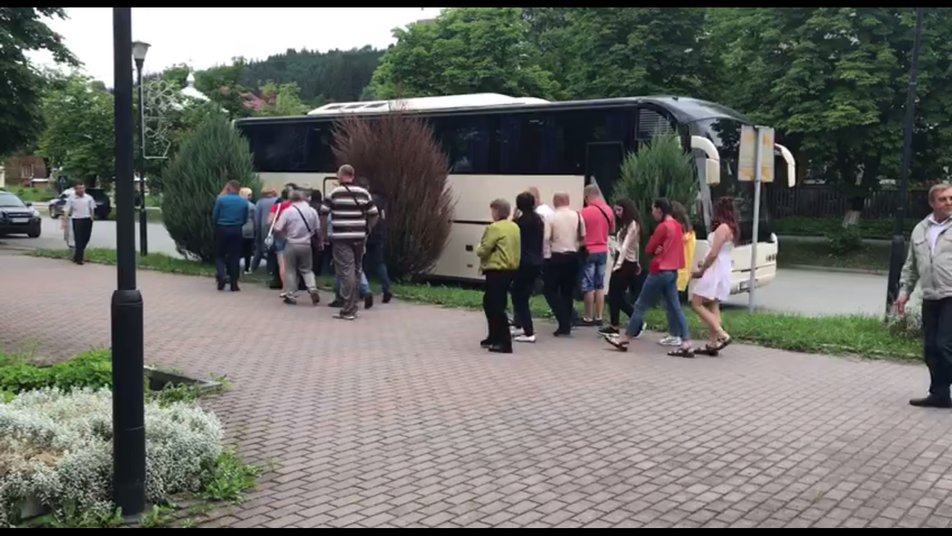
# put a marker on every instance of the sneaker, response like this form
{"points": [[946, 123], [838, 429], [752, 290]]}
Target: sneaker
{"points": [[387, 296], [368, 301], [608, 330], [335, 303], [644, 326], [515, 332], [290, 300], [342, 316], [315, 298], [670, 341], [524, 338]]}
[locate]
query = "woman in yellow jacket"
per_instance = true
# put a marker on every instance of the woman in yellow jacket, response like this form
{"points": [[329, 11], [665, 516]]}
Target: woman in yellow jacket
{"points": [[499, 256], [679, 213]]}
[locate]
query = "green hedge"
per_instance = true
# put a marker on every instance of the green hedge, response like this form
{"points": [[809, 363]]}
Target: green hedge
{"points": [[91, 369], [879, 228]]}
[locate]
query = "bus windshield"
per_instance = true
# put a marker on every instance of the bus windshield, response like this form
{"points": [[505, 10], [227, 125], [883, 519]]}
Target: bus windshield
{"points": [[725, 133]]}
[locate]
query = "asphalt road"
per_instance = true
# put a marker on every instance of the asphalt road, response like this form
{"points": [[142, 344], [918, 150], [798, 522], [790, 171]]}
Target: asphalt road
{"points": [[806, 292]]}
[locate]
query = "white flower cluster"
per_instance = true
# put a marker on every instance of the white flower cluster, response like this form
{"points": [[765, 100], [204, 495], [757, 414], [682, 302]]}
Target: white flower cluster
{"points": [[56, 449], [911, 322]]}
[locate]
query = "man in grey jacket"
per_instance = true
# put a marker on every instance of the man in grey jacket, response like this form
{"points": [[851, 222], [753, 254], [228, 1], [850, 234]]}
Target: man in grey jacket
{"points": [[262, 208], [297, 224], [929, 263]]}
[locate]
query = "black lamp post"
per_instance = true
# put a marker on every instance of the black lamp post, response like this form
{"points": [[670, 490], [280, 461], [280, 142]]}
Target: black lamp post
{"points": [[128, 407], [897, 255], [139, 49]]}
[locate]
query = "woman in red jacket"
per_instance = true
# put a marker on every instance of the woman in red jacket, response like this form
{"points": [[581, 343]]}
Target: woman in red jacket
{"points": [[667, 246]]}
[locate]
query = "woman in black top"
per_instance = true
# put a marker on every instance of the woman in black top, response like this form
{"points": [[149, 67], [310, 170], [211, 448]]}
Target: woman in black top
{"points": [[531, 230]]}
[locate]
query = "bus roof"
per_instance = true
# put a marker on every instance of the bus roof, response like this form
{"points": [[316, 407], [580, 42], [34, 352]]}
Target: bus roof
{"points": [[684, 109]]}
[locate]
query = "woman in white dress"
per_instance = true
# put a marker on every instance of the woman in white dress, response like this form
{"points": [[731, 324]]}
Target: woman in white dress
{"points": [[714, 274]]}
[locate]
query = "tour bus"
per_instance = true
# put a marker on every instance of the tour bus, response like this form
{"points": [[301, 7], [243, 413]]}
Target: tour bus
{"points": [[498, 146]]}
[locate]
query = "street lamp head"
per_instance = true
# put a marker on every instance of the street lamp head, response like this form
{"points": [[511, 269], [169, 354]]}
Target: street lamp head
{"points": [[139, 49]]}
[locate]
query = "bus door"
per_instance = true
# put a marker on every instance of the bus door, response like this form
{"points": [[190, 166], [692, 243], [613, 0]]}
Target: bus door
{"points": [[603, 162]]}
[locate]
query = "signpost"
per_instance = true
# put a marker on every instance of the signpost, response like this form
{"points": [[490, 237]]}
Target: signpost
{"points": [[755, 163]]}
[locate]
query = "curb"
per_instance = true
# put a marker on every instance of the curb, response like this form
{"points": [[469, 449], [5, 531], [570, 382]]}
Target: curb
{"points": [[832, 269]]}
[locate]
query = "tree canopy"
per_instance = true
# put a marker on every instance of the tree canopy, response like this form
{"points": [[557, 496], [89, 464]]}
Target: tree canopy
{"points": [[21, 30]]}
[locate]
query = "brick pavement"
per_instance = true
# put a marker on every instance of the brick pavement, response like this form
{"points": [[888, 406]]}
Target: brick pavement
{"points": [[399, 419]]}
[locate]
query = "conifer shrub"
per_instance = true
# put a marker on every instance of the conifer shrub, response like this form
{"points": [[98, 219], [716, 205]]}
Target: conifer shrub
{"points": [[210, 156]]}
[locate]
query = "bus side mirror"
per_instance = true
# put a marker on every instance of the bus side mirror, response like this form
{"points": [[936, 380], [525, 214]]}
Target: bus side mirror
{"points": [[712, 162], [712, 171]]}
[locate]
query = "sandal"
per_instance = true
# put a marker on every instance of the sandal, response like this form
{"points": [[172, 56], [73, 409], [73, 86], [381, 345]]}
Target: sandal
{"points": [[617, 342], [723, 342], [682, 352], [707, 350]]}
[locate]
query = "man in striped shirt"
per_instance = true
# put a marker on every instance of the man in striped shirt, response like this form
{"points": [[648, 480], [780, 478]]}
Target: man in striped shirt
{"points": [[353, 215]]}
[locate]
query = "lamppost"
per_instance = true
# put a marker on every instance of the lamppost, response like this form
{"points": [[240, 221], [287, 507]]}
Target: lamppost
{"points": [[128, 406], [898, 253], [139, 49]]}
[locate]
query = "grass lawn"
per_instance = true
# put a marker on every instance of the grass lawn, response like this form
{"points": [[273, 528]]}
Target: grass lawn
{"points": [[841, 335], [871, 257]]}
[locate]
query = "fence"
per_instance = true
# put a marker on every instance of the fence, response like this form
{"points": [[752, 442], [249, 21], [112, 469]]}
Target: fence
{"points": [[824, 202]]}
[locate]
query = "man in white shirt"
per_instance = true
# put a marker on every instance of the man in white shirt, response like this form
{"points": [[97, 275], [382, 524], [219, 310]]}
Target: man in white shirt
{"points": [[80, 210], [298, 224], [563, 236]]}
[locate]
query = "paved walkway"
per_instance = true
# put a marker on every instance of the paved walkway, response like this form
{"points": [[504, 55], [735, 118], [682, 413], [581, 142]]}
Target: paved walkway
{"points": [[399, 419]]}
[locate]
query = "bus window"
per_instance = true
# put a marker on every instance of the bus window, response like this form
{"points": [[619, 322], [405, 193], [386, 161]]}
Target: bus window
{"points": [[466, 140], [652, 123], [530, 144]]}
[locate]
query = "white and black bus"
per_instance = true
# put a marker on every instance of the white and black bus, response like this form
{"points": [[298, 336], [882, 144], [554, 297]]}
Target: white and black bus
{"points": [[498, 146]]}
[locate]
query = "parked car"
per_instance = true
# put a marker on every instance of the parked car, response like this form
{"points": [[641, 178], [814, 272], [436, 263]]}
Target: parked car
{"points": [[17, 217], [103, 205]]}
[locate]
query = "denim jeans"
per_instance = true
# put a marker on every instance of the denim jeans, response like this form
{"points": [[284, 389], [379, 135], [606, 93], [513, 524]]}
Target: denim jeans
{"points": [[593, 272], [660, 286], [364, 285]]}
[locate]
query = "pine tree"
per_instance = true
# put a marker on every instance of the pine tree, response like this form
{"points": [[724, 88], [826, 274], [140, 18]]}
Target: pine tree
{"points": [[213, 154]]}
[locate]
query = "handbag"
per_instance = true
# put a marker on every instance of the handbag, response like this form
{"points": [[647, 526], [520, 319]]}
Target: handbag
{"points": [[269, 240], [582, 251], [316, 243]]}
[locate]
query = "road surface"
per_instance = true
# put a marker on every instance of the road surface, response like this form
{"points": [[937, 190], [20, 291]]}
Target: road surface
{"points": [[794, 291]]}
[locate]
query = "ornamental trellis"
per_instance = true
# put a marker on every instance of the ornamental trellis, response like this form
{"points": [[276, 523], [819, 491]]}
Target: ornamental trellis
{"points": [[160, 99]]}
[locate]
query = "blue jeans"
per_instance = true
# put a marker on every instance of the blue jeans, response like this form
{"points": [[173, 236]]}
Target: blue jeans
{"points": [[593, 272], [660, 286], [374, 264], [364, 285]]}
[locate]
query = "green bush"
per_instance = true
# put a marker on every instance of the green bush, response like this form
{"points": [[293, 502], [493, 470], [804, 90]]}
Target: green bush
{"points": [[659, 169], [877, 228], [92, 369], [213, 154], [845, 240]]}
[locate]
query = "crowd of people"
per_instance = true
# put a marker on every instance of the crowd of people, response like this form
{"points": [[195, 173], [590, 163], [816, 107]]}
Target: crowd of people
{"points": [[573, 249], [295, 232]]}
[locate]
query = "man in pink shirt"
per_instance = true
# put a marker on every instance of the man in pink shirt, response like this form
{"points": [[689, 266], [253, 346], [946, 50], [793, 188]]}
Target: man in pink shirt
{"points": [[599, 224]]}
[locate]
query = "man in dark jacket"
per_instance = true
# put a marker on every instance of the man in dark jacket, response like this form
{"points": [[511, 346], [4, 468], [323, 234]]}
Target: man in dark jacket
{"points": [[374, 263]]}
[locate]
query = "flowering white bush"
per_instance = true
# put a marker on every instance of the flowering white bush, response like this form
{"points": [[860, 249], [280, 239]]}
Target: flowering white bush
{"points": [[56, 449]]}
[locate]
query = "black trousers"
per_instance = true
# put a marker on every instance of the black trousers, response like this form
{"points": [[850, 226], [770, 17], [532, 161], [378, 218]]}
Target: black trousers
{"points": [[560, 275], [495, 296], [82, 231], [228, 252], [247, 251], [621, 280], [521, 292], [937, 347]]}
